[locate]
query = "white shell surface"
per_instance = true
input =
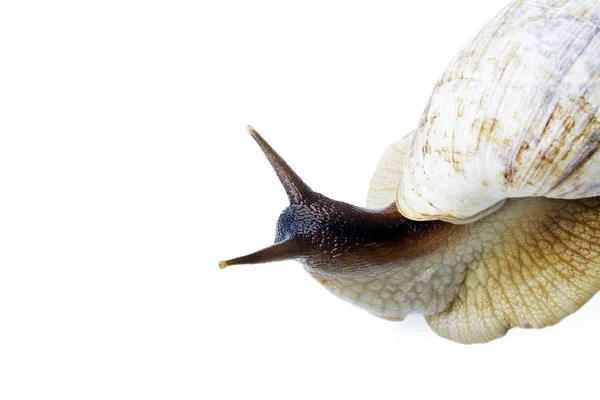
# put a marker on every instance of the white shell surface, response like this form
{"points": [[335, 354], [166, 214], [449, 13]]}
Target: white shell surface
{"points": [[516, 114]]}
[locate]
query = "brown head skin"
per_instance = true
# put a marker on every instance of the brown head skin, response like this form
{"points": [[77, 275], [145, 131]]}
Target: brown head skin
{"points": [[329, 235]]}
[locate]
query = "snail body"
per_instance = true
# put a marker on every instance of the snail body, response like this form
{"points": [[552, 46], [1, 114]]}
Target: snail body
{"points": [[487, 216]]}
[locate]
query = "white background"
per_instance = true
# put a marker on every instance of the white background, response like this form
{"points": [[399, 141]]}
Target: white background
{"points": [[126, 175]]}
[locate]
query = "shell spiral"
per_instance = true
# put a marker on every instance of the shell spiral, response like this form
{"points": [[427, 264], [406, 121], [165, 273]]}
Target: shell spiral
{"points": [[516, 114]]}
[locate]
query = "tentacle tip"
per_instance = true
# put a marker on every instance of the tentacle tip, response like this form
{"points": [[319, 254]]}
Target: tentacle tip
{"points": [[250, 129], [223, 264]]}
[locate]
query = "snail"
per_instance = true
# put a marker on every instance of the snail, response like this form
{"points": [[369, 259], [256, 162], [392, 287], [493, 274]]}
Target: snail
{"points": [[487, 216]]}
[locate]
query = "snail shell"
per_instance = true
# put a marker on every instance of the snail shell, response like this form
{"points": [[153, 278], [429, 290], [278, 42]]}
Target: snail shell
{"points": [[516, 114]]}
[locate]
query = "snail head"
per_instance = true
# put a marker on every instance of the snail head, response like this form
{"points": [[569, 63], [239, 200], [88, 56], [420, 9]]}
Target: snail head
{"points": [[322, 232]]}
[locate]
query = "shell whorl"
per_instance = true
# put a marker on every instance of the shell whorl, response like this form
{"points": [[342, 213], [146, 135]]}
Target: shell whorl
{"points": [[516, 114]]}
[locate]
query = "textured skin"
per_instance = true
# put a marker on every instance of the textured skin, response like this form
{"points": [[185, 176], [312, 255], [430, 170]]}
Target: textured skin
{"points": [[516, 114], [529, 264], [536, 261], [425, 285]]}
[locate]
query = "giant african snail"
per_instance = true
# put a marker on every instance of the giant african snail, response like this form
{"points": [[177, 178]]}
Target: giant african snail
{"points": [[515, 116]]}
